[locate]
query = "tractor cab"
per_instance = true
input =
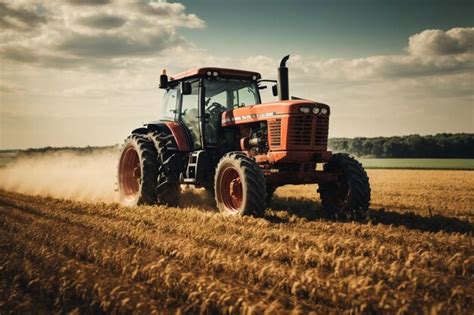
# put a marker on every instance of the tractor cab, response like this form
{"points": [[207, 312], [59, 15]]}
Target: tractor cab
{"points": [[197, 99]]}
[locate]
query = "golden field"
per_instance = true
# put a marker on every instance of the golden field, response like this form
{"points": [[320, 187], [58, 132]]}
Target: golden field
{"points": [[425, 192], [414, 255]]}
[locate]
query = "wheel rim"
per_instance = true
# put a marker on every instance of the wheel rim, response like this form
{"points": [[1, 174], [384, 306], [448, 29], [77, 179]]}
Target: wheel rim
{"points": [[232, 190], [130, 173]]}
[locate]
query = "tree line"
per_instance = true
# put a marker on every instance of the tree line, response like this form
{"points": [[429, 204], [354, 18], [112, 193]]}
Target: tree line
{"points": [[442, 145]]}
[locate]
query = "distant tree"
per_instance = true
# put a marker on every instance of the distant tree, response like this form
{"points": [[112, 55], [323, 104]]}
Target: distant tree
{"points": [[443, 145]]}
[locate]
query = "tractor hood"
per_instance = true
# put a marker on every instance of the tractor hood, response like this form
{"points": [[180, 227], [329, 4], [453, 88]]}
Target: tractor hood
{"points": [[268, 110]]}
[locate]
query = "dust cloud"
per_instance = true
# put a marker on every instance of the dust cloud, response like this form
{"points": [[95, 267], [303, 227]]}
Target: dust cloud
{"points": [[64, 174]]}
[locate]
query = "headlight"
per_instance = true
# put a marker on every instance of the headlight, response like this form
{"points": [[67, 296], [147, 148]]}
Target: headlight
{"points": [[215, 73], [324, 111], [305, 110], [209, 73], [316, 110]]}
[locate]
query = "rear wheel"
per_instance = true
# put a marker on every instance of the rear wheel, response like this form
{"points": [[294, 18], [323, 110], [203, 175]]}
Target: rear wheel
{"points": [[137, 171], [239, 186], [349, 197], [169, 169]]}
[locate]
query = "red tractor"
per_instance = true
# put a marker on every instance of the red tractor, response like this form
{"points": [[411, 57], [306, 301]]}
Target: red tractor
{"points": [[214, 132]]}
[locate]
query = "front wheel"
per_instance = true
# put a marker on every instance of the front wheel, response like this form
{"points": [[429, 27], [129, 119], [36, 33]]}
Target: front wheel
{"points": [[239, 186], [349, 197]]}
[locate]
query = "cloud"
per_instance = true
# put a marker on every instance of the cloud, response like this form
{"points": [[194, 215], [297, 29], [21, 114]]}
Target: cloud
{"points": [[160, 9], [89, 2], [103, 21], [118, 45], [92, 33], [429, 53], [440, 43], [19, 54], [15, 17]]}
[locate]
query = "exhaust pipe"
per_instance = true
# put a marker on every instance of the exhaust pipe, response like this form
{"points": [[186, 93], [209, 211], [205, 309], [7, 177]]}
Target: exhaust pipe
{"points": [[283, 85]]}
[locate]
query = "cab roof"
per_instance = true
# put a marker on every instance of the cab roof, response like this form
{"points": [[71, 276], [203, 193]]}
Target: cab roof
{"points": [[222, 72]]}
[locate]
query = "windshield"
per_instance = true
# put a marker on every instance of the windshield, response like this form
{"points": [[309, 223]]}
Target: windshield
{"points": [[231, 93]]}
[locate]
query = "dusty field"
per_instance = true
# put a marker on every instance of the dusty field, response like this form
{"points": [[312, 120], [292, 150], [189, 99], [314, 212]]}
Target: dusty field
{"points": [[415, 254]]}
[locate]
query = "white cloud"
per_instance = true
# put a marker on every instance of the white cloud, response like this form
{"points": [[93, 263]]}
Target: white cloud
{"points": [[87, 33], [429, 53], [440, 43]]}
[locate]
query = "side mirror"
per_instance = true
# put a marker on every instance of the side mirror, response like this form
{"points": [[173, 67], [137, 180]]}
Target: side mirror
{"points": [[185, 88], [275, 90], [163, 80]]}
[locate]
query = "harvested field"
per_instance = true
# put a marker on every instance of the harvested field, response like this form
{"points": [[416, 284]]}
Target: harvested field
{"points": [[425, 192], [415, 254], [431, 164]]}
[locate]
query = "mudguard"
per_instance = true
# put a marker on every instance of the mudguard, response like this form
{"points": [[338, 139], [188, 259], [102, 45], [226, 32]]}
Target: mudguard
{"points": [[181, 138]]}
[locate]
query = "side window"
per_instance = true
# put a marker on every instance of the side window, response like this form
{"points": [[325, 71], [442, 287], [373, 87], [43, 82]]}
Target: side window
{"points": [[168, 106], [190, 113]]}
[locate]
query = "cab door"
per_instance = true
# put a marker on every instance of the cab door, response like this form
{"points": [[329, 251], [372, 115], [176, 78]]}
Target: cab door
{"points": [[189, 114]]}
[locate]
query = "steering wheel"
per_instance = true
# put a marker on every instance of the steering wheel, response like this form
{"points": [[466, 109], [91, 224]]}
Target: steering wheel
{"points": [[215, 108]]}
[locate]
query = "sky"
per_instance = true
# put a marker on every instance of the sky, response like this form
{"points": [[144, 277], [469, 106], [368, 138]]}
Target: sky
{"points": [[85, 72]]}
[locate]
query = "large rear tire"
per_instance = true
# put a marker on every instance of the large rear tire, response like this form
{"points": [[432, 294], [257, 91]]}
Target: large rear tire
{"points": [[239, 186], [349, 198], [170, 165], [137, 171]]}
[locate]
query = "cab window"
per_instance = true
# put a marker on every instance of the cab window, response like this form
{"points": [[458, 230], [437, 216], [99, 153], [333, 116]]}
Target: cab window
{"points": [[168, 105]]}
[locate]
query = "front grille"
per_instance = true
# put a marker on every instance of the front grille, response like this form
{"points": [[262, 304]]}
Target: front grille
{"points": [[274, 127], [300, 130], [321, 133]]}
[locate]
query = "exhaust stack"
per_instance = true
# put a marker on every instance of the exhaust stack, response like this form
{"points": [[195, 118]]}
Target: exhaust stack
{"points": [[283, 85]]}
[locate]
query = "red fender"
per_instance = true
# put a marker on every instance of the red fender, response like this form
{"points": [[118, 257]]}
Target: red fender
{"points": [[179, 135]]}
